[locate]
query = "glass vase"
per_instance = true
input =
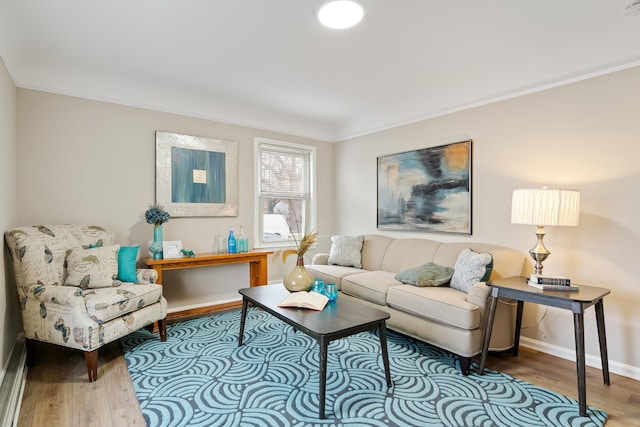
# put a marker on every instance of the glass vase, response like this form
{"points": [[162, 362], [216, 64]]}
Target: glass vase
{"points": [[299, 279], [156, 246]]}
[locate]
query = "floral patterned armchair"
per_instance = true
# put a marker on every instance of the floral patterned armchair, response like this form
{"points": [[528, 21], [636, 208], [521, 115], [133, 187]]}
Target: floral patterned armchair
{"points": [[78, 288]]}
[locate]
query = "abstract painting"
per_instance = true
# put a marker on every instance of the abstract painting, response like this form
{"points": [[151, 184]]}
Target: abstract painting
{"points": [[196, 176], [426, 190]]}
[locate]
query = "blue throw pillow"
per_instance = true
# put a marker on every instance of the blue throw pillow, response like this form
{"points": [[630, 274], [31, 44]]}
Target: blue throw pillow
{"points": [[127, 263]]}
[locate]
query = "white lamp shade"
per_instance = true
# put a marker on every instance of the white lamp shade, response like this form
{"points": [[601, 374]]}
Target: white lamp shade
{"points": [[545, 206]]}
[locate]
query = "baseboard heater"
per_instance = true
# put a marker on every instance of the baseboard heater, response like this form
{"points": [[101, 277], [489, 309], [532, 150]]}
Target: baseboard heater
{"points": [[12, 385]]}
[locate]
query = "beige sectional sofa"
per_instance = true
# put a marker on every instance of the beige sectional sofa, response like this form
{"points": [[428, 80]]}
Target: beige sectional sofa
{"points": [[440, 315]]}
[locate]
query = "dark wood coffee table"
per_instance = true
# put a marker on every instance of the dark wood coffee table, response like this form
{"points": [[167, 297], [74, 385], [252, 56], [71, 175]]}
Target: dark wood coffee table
{"points": [[339, 319]]}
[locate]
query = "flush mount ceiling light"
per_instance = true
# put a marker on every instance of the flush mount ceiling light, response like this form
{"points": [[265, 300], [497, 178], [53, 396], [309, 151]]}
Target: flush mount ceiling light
{"points": [[340, 14]]}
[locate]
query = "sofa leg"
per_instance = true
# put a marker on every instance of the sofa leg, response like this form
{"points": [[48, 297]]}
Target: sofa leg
{"points": [[162, 327], [91, 357], [465, 365], [31, 352]]}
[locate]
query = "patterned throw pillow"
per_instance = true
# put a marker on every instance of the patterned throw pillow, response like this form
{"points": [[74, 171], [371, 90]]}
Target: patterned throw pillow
{"points": [[429, 274], [346, 251], [92, 268], [471, 267]]}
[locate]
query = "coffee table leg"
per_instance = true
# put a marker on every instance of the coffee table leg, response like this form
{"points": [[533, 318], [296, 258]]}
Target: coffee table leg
{"points": [[242, 318], [385, 354], [323, 376]]}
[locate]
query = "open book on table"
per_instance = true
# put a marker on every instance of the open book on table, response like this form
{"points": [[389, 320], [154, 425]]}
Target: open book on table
{"points": [[312, 300]]}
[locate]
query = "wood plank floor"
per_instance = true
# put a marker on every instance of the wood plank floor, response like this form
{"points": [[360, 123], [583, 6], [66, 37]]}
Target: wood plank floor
{"points": [[58, 394]]}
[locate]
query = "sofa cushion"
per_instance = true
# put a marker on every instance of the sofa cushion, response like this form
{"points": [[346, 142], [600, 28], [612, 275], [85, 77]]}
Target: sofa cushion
{"points": [[370, 286], [331, 273], [442, 304], [471, 267], [92, 268], [407, 253], [428, 274], [104, 304], [346, 251]]}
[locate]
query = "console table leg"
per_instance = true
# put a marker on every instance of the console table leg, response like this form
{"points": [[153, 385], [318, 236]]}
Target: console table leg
{"points": [[578, 324]]}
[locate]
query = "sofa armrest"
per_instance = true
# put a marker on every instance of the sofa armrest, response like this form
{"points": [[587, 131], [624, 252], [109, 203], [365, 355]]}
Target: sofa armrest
{"points": [[479, 294], [320, 259], [146, 275], [61, 295]]}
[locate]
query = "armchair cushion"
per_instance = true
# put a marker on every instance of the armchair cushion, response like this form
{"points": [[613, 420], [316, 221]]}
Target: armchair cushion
{"points": [[92, 268], [104, 304]]}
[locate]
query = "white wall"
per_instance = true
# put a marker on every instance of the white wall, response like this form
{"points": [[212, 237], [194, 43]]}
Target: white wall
{"points": [[87, 161], [583, 136], [10, 320]]}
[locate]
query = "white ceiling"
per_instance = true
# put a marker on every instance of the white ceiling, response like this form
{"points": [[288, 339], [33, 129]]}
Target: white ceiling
{"points": [[269, 64]]}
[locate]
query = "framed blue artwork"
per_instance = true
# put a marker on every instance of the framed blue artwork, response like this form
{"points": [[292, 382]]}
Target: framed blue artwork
{"points": [[196, 176], [426, 190]]}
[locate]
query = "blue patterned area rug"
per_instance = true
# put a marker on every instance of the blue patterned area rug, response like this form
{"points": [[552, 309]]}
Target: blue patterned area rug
{"points": [[200, 377]]}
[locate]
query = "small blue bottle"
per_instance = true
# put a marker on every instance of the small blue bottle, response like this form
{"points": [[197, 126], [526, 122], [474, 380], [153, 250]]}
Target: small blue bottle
{"points": [[231, 242]]}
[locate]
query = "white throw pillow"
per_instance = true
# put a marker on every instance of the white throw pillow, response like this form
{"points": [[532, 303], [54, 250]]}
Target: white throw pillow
{"points": [[346, 251], [471, 267]]}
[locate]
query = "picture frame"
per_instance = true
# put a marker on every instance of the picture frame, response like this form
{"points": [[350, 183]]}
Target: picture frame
{"points": [[196, 176], [171, 249], [426, 190]]}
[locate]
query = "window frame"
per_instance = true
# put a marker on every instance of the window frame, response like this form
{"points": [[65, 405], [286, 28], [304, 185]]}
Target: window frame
{"points": [[310, 206]]}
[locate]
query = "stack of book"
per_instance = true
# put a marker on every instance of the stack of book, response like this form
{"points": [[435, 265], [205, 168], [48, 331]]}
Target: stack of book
{"points": [[551, 283]]}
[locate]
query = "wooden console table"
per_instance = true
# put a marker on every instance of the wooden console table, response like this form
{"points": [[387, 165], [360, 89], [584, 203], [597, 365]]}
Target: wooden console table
{"points": [[257, 272]]}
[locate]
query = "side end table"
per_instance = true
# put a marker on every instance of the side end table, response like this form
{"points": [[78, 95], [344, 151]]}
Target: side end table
{"points": [[516, 288]]}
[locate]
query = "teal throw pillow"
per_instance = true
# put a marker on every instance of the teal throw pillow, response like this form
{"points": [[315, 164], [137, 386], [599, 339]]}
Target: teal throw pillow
{"points": [[429, 274], [127, 271], [471, 267]]}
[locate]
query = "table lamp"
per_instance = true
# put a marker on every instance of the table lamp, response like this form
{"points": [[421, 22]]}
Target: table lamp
{"points": [[544, 206]]}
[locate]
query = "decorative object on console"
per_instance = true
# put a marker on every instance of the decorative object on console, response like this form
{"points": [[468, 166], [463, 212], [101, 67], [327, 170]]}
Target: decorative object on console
{"points": [[426, 190], [156, 215], [544, 206], [187, 253], [196, 176], [172, 249]]}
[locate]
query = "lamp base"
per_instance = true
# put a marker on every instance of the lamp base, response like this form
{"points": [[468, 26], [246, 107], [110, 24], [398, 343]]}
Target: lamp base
{"points": [[539, 252]]}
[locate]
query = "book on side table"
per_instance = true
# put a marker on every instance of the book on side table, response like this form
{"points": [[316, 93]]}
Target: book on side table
{"points": [[311, 300], [551, 283]]}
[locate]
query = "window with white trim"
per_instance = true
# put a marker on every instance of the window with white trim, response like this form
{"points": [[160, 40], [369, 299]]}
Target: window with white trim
{"points": [[285, 191]]}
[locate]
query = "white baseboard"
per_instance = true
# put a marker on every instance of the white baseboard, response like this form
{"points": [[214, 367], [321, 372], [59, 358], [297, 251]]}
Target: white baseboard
{"points": [[12, 384], [591, 360]]}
